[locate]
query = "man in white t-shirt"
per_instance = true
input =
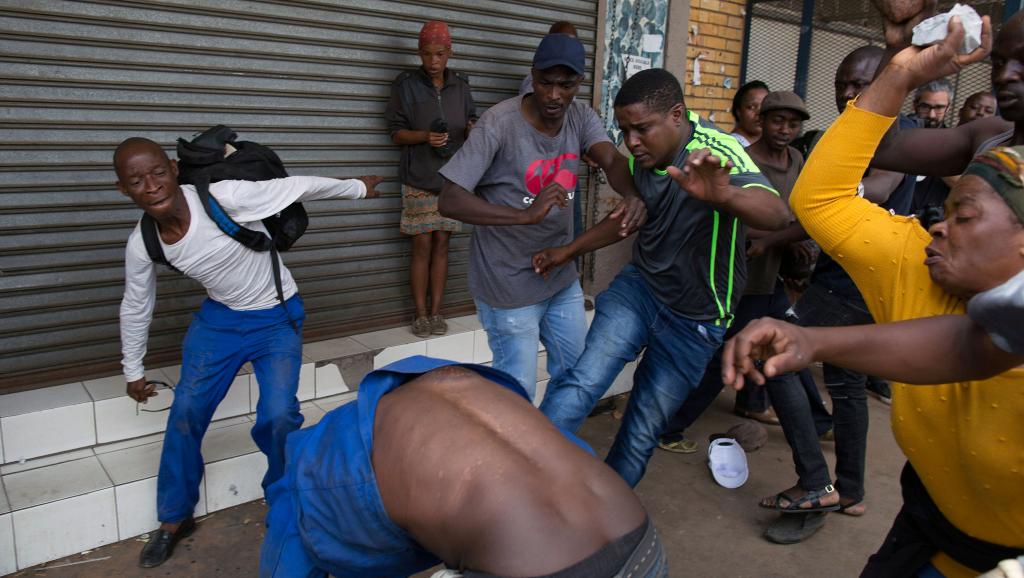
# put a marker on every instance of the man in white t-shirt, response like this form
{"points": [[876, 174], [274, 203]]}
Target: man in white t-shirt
{"points": [[241, 321]]}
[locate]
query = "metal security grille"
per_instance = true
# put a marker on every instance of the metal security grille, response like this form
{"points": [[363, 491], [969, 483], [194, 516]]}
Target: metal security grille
{"points": [[838, 28], [308, 78]]}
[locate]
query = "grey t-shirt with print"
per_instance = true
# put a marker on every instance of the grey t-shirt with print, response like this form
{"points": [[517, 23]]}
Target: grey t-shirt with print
{"points": [[507, 162]]}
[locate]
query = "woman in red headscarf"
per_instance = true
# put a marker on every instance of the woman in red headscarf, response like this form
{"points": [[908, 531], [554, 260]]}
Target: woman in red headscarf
{"points": [[429, 115]]}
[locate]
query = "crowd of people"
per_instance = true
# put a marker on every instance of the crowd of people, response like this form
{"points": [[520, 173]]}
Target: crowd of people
{"points": [[737, 237]]}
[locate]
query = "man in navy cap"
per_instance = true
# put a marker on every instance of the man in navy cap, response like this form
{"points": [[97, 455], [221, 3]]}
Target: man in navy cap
{"points": [[514, 179]]}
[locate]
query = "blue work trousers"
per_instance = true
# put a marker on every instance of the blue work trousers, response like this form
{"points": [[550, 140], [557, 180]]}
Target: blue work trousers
{"points": [[219, 341]]}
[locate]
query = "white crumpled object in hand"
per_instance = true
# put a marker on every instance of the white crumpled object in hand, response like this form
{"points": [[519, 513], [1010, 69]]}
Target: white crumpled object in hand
{"points": [[933, 30]]}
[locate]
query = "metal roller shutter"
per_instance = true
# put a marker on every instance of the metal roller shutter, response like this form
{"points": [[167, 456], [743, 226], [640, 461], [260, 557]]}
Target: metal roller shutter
{"points": [[307, 78]]}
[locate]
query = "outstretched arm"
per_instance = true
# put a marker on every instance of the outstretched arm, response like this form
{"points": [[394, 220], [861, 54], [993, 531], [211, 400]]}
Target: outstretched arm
{"points": [[941, 349], [706, 177], [605, 233], [935, 152], [248, 201]]}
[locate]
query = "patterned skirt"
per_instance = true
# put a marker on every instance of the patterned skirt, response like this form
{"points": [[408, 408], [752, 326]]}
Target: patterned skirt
{"points": [[420, 215]]}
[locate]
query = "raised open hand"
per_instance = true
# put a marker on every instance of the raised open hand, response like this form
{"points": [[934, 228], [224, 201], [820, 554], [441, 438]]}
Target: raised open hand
{"points": [[704, 176]]}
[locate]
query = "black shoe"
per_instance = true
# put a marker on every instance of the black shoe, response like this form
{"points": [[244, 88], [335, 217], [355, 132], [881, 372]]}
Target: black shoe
{"points": [[161, 544], [879, 388]]}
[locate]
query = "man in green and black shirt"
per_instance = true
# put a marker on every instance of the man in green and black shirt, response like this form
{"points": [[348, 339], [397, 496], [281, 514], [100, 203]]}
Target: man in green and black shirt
{"points": [[677, 297]]}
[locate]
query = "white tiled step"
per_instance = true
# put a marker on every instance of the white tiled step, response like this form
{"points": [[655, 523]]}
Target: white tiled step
{"points": [[98, 411], [58, 505], [94, 482]]}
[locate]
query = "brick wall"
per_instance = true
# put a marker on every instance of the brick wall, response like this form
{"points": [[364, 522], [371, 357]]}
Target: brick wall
{"points": [[719, 38]]}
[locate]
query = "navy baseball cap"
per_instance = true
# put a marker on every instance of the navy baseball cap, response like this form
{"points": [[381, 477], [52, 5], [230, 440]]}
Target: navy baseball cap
{"points": [[560, 50]]}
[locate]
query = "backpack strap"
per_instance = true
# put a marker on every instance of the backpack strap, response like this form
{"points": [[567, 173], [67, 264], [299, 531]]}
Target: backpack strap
{"points": [[254, 240], [151, 237], [275, 265]]}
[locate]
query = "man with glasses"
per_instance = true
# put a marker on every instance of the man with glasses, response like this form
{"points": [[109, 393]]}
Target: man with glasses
{"points": [[931, 102]]}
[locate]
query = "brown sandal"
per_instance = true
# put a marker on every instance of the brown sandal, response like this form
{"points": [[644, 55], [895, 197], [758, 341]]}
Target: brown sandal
{"points": [[795, 504]]}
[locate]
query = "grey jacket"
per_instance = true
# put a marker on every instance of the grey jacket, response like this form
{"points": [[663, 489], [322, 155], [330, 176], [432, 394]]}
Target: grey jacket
{"points": [[414, 105]]}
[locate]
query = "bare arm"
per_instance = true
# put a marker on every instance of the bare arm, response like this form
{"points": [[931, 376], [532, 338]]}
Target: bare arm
{"points": [[926, 151], [879, 185], [605, 233], [943, 349], [761, 241], [937, 152], [410, 137], [616, 168], [456, 202]]}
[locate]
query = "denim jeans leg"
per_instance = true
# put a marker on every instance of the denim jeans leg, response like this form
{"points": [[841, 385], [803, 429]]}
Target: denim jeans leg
{"points": [[850, 414], [563, 329], [700, 399], [672, 366], [624, 312], [514, 337]]}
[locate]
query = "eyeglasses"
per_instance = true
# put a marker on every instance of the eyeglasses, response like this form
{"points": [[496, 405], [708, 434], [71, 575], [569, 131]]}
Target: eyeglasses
{"points": [[159, 385]]}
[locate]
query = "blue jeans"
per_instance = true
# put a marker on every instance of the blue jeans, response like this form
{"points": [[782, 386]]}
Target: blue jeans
{"points": [[219, 341], [513, 335], [630, 319]]}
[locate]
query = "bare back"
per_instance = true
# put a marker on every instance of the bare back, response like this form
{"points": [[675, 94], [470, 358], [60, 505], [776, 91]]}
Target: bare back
{"points": [[482, 479]]}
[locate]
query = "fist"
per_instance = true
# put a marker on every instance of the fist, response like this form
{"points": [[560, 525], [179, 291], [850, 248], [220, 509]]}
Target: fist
{"points": [[899, 10]]}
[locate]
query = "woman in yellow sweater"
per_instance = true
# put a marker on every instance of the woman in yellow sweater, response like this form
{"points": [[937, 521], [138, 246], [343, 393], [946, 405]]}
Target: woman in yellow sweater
{"points": [[963, 510]]}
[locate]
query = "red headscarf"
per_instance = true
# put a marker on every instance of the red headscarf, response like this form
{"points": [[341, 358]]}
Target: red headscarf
{"points": [[435, 32]]}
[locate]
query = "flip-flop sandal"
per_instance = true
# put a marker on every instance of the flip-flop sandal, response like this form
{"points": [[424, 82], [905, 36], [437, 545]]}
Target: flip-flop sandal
{"points": [[794, 529], [795, 504]]}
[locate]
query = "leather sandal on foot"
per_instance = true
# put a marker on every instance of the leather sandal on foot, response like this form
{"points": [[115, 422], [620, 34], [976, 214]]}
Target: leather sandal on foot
{"points": [[161, 544], [796, 504]]}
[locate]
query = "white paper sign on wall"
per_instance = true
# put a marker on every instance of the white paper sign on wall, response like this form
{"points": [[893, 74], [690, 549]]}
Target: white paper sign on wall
{"points": [[635, 64]]}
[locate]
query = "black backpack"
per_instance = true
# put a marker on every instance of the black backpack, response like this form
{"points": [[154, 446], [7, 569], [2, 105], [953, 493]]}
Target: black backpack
{"points": [[201, 162]]}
